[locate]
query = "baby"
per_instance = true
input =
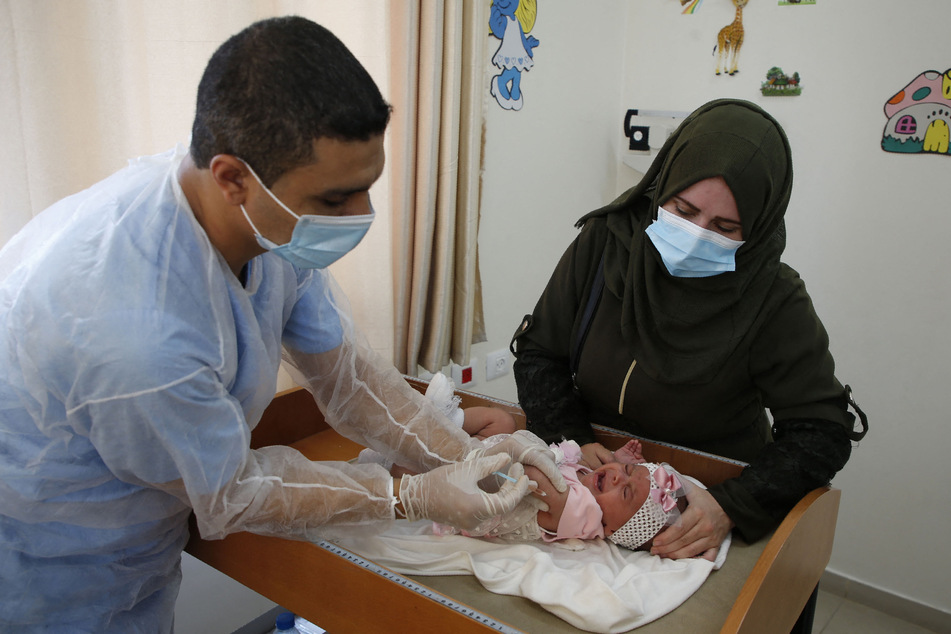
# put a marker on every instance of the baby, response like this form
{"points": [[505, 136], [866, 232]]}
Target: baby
{"points": [[628, 501]]}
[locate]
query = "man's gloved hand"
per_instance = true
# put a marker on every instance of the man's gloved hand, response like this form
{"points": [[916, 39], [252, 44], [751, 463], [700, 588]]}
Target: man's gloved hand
{"points": [[526, 448], [451, 494]]}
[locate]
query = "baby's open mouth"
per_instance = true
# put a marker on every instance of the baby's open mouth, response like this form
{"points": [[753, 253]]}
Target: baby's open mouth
{"points": [[599, 481]]}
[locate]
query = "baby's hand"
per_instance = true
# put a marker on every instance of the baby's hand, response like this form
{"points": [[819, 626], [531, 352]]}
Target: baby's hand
{"points": [[630, 453]]}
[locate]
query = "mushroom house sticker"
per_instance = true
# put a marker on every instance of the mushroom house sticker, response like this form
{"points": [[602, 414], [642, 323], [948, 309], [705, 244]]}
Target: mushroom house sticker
{"points": [[919, 116]]}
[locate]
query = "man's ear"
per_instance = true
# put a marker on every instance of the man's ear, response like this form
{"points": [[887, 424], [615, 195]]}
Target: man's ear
{"points": [[231, 176]]}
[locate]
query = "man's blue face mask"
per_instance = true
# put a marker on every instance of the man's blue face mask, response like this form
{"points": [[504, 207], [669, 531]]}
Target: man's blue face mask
{"points": [[691, 251], [317, 241]]}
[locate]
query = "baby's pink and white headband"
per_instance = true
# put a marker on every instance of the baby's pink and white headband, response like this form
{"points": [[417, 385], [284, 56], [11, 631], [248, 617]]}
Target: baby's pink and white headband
{"points": [[658, 510]]}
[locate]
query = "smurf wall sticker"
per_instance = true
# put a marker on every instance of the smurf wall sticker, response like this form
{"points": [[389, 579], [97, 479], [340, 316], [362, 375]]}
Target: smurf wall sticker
{"points": [[919, 116], [510, 21]]}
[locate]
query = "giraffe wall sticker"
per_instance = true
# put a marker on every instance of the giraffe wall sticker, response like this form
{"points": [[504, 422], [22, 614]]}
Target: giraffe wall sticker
{"points": [[729, 41]]}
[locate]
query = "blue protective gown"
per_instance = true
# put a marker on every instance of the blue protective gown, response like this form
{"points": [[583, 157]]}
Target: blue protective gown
{"points": [[133, 367]]}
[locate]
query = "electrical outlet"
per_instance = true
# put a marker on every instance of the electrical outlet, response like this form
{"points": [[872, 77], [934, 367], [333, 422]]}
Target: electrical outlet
{"points": [[497, 364]]}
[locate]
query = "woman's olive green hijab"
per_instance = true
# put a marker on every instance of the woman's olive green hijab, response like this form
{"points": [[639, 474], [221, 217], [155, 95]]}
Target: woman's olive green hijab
{"points": [[682, 330]]}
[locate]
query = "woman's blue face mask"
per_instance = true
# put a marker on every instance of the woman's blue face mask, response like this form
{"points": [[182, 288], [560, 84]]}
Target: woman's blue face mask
{"points": [[691, 251], [317, 241]]}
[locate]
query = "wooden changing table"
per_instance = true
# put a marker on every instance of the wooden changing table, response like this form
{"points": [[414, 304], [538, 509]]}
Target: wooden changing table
{"points": [[762, 587]]}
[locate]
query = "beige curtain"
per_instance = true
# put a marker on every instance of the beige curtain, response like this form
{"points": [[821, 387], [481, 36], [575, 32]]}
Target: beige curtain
{"points": [[437, 89]]}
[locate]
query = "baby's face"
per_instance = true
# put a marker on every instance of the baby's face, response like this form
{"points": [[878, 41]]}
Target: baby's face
{"points": [[620, 490]]}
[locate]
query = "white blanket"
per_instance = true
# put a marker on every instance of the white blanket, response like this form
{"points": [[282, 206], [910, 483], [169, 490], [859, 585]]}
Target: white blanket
{"points": [[598, 587]]}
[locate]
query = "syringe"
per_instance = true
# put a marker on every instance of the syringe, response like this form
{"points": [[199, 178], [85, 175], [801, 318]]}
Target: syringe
{"points": [[513, 480]]}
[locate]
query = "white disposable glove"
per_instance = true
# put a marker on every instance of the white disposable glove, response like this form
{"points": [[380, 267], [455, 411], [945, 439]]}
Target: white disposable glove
{"points": [[526, 448], [451, 494]]}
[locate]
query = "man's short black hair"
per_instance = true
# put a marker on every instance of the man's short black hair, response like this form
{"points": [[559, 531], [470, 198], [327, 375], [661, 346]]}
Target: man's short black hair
{"points": [[277, 86]]}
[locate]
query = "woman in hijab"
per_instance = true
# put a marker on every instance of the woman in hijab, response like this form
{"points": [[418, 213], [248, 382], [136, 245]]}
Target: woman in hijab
{"points": [[672, 317]]}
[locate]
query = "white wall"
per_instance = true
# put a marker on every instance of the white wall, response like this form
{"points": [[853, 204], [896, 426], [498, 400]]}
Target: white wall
{"points": [[547, 164], [867, 229]]}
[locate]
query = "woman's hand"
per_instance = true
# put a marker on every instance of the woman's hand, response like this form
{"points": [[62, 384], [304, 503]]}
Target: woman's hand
{"points": [[700, 530], [594, 454]]}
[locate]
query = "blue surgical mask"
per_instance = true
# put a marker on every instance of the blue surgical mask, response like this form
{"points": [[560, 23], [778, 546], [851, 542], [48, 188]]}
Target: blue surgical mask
{"points": [[691, 251], [317, 241]]}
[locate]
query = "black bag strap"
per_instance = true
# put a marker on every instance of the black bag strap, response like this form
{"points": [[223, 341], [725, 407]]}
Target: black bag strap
{"points": [[593, 299], [856, 435]]}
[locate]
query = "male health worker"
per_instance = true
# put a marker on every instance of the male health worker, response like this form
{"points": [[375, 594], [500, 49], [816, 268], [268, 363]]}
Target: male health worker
{"points": [[142, 323]]}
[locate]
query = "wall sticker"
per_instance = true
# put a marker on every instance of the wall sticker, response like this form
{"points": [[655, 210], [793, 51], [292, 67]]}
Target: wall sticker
{"points": [[511, 21], [729, 41], [778, 84], [919, 116], [691, 6]]}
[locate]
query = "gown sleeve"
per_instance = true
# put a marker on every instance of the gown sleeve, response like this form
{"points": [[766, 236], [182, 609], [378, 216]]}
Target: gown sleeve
{"points": [[365, 398], [191, 438]]}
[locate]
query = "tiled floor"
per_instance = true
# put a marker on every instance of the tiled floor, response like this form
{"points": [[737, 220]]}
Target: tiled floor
{"points": [[835, 615]]}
